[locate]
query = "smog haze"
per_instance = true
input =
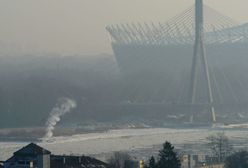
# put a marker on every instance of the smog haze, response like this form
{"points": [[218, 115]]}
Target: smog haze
{"points": [[78, 26]]}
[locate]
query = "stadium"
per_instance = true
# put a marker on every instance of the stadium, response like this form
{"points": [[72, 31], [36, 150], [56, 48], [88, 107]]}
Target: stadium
{"points": [[155, 60]]}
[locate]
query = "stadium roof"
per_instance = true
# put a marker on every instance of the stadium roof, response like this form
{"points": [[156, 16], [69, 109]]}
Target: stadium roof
{"points": [[180, 30]]}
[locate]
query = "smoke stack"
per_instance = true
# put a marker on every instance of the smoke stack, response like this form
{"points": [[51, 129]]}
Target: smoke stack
{"points": [[63, 106]]}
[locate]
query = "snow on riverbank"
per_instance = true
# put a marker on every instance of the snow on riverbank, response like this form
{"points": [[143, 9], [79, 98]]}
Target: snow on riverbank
{"points": [[118, 140]]}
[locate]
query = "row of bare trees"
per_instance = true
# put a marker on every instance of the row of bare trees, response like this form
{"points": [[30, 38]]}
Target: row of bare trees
{"points": [[167, 158], [219, 144], [222, 149]]}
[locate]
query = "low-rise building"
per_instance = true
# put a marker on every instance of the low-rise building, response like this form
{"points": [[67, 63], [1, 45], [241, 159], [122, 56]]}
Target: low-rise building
{"points": [[213, 166], [30, 156], [58, 161], [34, 156], [199, 161]]}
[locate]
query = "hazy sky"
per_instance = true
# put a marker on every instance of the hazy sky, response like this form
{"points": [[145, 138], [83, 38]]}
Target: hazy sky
{"points": [[78, 26]]}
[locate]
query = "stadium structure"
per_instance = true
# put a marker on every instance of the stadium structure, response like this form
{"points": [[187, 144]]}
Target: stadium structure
{"points": [[155, 60]]}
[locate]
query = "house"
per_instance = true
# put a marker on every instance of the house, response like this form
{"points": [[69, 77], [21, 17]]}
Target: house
{"points": [[58, 161], [30, 156], [34, 156]]}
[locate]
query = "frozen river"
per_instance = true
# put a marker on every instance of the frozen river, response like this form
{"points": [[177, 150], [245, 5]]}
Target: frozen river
{"points": [[124, 140]]}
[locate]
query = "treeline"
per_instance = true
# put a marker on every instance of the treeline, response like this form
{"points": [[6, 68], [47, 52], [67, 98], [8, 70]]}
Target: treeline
{"points": [[31, 85], [222, 155]]}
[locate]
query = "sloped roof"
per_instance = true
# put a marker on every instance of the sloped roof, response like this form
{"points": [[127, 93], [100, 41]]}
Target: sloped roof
{"points": [[32, 149], [76, 162]]}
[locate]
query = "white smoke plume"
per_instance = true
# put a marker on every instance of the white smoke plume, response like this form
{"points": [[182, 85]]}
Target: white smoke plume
{"points": [[63, 106]]}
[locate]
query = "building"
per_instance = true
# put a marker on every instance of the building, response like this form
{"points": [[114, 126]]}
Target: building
{"points": [[29, 156], [34, 156], [155, 60], [76, 162], [199, 161], [214, 166]]}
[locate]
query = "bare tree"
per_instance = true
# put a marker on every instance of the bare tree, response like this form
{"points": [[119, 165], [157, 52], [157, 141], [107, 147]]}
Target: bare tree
{"points": [[119, 160], [220, 146], [237, 160]]}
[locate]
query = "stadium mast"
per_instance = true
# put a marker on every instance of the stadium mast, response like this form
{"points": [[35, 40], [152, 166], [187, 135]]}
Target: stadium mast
{"points": [[200, 60]]}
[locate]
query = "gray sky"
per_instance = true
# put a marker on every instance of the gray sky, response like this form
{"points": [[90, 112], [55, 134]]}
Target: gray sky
{"points": [[78, 26]]}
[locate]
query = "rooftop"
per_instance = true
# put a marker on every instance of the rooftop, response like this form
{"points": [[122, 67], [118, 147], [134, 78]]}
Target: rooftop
{"points": [[180, 30], [32, 149]]}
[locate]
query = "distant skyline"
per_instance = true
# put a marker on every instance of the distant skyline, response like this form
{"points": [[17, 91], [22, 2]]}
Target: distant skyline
{"points": [[78, 26]]}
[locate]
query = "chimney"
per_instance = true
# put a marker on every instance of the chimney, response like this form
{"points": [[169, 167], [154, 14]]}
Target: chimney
{"points": [[31, 164], [63, 160]]}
